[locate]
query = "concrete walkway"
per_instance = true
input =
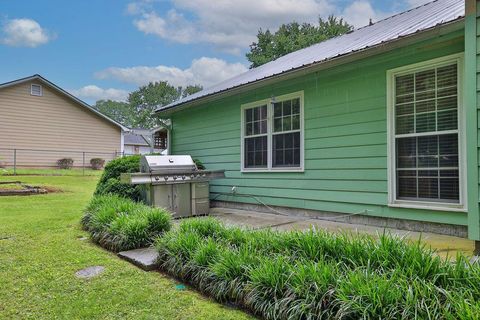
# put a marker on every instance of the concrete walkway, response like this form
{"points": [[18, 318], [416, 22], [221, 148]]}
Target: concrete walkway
{"points": [[445, 245]]}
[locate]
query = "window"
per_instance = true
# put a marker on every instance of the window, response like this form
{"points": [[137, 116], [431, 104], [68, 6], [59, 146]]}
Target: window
{"points": [[36, 90], [160, 140], [272, 134], [256, 137], [425, 139]]}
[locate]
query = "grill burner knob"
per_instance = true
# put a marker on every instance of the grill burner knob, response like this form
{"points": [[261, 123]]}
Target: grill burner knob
{"points": [[183, 177], [157, 178], [166, 178]]}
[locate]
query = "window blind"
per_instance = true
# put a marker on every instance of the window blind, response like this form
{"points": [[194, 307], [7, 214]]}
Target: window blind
{"points": [[426, 134]]}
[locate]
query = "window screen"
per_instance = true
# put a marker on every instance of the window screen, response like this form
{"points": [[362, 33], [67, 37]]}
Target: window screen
{"points": [[286, 133], [160, 140], [426, 135], [255, 143]]}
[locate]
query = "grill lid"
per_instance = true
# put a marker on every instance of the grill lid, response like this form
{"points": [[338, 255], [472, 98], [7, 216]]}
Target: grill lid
{"points": [[165, 164]]}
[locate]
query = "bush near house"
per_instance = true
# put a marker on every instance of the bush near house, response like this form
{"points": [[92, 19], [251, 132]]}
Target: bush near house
{"points": [[65, 163], [109, 182], [318, 275], [118, 223], [199, 164], [97, 163]]}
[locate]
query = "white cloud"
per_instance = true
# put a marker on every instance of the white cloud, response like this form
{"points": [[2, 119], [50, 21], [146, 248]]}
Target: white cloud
{"points": [[92, 92], [24, 33], [359, 13], [174, 26], [204, 71], [229, 24]]}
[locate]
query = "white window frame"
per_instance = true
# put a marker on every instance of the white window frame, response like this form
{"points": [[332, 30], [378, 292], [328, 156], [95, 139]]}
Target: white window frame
{"points": [[34, 94], [391, 150], [269, 102]]}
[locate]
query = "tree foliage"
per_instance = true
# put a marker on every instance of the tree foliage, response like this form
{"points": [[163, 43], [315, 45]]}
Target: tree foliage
{"points": [[119, 111], [293, 36], [141, 103]]}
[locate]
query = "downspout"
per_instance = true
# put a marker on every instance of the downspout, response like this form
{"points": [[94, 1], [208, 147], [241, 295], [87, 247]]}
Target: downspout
{"points": [[122, 141], [471, 125], [169, 130]]}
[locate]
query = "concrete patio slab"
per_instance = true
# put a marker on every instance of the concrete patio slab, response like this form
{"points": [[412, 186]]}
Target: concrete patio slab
{"points": [[144, 258], [446, 246], [250, 219]]}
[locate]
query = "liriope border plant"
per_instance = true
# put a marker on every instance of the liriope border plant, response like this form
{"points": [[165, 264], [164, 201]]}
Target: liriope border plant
{"points": [[117, 223], [319, 275]]}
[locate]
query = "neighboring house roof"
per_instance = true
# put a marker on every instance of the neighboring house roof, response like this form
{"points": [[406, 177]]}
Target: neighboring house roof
{"points": [[50, 84], [134, 139], [423, 18]]}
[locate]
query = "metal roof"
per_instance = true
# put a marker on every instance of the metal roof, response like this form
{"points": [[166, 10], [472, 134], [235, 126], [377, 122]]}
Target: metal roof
{"points": [[65, 93], [134, 139], [407, 23]]}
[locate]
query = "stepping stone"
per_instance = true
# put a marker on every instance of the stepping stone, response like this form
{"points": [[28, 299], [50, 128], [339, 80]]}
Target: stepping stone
{"points": [[89, 272], [144, 258]]}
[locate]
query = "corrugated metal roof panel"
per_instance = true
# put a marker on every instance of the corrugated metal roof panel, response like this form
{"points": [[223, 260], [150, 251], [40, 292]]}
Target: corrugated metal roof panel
{"points": [[409, 22]]}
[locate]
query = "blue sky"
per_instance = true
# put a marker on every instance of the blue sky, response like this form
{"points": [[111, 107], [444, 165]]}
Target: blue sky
{"points": [[105, 48]]}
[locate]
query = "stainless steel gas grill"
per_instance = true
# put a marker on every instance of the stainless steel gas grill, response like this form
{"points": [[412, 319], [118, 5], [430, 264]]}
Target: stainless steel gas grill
{"points": [[174, 183]]}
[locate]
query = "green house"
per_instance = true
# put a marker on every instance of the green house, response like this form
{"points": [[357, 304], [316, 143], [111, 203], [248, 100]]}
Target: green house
{"points": [[380, 124]]}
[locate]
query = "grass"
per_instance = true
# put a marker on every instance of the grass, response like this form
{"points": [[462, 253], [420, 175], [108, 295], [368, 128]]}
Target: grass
{"points": [[50, 172], [11, 186], [319, 275], [40, 251]]}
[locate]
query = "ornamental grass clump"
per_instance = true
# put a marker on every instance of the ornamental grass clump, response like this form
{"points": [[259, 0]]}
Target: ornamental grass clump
{"points": [[319, 275], [117, 223]]}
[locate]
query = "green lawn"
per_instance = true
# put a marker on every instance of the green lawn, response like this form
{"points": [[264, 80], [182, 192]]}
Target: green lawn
{"points": [[40, 251], [50, 172]]}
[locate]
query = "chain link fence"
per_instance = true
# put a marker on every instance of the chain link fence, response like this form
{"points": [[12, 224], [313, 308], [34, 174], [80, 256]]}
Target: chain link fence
{"points": [[18, 161]]}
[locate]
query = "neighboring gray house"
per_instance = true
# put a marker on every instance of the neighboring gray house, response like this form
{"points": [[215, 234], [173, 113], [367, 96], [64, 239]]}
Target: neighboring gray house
{"points": [[135, 144], [144, 141]]}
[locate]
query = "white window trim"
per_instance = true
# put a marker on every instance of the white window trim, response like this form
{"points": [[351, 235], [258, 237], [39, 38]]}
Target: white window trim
{"points": [[391, 152], [31, 90], [269, 102]]}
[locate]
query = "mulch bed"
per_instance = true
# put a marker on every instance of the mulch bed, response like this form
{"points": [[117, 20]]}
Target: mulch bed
{"points": [[17, 188]]}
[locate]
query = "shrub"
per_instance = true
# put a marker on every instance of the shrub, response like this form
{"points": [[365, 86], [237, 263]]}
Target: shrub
{"points": [[118, 223], [110, 183], [65, 163], [319, 275], [97, 163], [199, 164]]}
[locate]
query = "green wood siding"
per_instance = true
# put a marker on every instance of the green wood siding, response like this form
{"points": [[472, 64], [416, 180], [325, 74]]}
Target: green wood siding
{"points": [[472, 114], [472, 111], [345, 139]]}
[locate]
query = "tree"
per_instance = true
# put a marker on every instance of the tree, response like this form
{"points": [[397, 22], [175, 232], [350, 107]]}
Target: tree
{"points": [[189, 90], [141, 103], [119, 111], [147, 98], [293, 36]]}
